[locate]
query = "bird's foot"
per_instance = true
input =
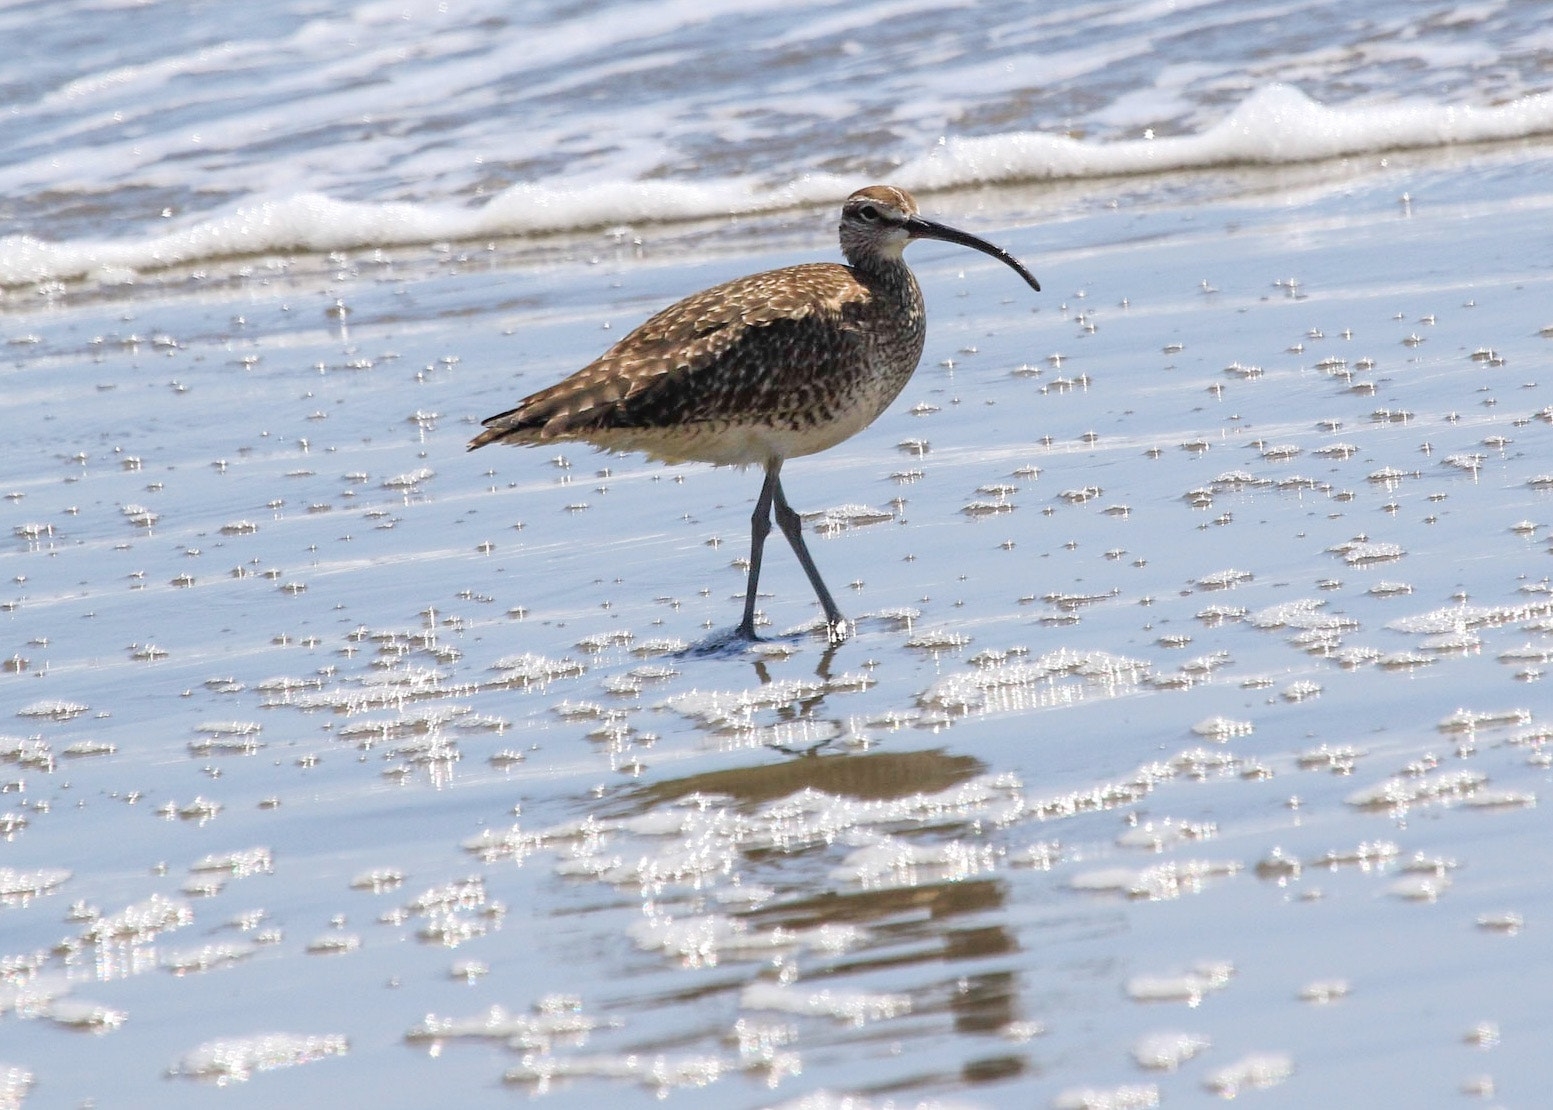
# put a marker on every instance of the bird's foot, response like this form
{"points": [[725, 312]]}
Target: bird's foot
{"points": [[742, 636], [835, 629], [728, 642]]}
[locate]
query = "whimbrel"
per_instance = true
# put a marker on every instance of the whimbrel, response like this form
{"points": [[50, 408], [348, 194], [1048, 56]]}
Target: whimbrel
{"points": [[760, 370]]}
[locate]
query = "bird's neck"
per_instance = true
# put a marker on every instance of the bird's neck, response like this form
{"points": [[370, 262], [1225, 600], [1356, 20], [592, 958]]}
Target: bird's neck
{"points": [[887, 273]]}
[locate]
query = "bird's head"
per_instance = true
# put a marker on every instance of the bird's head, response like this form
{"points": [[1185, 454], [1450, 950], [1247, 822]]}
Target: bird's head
{"points": [[877, 223]]}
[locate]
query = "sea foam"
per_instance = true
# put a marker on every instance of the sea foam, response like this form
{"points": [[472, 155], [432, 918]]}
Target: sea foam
{"points": [[1275, 125]]}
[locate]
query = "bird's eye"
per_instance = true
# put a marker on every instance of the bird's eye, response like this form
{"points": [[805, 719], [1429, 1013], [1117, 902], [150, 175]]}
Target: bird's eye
{"points": [[869, 213]]}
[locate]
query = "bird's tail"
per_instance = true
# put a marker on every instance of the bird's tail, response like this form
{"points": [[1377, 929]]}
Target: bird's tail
{"points": [[512, 426]]}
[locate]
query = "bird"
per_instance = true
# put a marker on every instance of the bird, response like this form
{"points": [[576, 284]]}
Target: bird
{"points": [[760, 369]]}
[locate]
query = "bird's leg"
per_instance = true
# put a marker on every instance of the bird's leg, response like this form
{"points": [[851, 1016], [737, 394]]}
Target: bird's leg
{"points": [[792, 528], [760, 528]]}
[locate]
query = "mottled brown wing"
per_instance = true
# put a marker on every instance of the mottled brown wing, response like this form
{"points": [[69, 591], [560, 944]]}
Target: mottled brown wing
{"points": [[748, 347]]}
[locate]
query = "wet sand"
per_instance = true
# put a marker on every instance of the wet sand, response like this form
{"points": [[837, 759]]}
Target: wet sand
{"points": [[1193, 737]]}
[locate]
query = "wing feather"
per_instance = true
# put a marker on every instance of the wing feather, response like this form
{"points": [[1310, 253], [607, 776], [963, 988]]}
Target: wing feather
{"points": [[761, 344]]}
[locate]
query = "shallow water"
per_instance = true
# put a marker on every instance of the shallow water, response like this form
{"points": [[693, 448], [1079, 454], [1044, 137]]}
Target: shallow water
{"points": [[1192, 738], [147, 135], [1195, 572]]}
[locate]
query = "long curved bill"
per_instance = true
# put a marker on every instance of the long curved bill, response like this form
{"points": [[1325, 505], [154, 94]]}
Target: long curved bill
{"points": [[919, 228]]}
